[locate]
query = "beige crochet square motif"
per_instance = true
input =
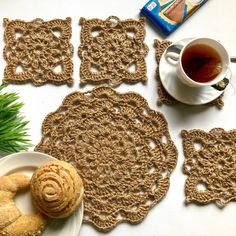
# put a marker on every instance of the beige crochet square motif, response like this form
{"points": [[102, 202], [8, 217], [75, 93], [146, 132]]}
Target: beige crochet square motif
{"points": [[38, 51], [210, 163], [112, 51]]}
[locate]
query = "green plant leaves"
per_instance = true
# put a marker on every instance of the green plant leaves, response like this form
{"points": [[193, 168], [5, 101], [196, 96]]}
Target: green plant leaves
{"points": [[13, 126]]}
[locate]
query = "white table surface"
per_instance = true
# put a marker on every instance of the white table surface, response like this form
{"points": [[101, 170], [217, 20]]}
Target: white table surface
{"points": [[215, 19]]}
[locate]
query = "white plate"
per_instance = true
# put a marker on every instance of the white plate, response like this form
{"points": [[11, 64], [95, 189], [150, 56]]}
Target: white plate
{"points": [[180, 91], [27, 163]]}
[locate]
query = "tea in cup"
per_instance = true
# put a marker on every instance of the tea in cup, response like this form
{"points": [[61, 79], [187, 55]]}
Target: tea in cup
{"points": [[201, 62]]}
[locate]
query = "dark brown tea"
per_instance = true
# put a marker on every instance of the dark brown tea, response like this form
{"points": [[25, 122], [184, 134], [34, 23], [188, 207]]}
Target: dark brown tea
{"points": [[201, 63]]}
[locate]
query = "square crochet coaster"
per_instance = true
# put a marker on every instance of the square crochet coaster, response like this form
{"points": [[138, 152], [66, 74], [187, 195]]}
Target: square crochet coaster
{"points": [[112, 51], [38, 51], [210, 164], [164, 97]]}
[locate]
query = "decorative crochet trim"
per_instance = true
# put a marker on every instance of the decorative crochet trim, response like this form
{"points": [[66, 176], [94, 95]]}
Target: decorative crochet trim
{"points": [[210, 163], [35, 50], [120, 147], [164, 97], [112, 51]]}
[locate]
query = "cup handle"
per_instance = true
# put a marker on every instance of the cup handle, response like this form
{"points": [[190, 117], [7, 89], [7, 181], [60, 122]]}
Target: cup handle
{"points": [[172, 54], [220, 86]]}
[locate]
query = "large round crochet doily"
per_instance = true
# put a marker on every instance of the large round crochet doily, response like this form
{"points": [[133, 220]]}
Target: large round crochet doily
{"points": [[121, 148]]}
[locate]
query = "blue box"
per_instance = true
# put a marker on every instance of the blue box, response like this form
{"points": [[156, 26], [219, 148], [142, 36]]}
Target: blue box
{"points": [[168, 15]]}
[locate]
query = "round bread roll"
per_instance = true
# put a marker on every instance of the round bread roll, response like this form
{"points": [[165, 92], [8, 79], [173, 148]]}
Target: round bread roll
{"points": [[57, 189]]}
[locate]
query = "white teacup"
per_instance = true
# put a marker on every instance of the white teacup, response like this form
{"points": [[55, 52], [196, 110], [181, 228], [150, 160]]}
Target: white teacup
{"points": [[175, 57]]}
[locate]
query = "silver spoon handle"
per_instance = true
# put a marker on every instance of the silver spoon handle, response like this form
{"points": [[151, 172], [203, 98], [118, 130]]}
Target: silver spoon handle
{"points": [[233, 59]]}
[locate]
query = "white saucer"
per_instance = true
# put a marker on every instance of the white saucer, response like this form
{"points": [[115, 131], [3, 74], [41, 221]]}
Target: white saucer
{"points": [[180, 91], [27, 163]]}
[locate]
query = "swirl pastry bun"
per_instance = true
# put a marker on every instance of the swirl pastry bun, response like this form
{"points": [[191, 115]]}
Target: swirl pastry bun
{"points": [[57, 189]]}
